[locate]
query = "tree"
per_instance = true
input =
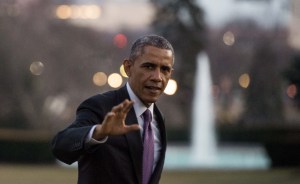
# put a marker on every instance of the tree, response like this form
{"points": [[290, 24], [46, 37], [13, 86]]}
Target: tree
{"points": [[70, 54], [182, 23], [263, 97]]}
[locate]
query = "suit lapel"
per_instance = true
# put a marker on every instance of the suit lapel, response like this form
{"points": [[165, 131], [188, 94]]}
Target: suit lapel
{"points": [[135, 145], [161, 125], [134, 139]]}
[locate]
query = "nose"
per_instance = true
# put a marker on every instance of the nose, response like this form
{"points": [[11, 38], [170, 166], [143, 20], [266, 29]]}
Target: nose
{"points": [[157, 75]]}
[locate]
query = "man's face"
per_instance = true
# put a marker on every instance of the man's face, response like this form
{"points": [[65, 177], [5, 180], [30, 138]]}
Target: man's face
{"points": [[150, 73]]}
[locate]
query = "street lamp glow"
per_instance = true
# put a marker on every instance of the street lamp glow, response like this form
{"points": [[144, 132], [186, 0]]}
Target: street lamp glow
{"points": [[99, 79], [228, 38], [115, 80], [244, 80], [63, 12], [171, 87], [120, 40], [36, 68]]}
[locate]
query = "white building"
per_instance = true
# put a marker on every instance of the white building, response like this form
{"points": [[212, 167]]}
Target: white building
{"points": [[115, 15], [267, 13]]}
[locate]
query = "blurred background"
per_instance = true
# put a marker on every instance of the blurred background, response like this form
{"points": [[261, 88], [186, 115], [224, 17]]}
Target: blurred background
{"points": [[56, 53]]}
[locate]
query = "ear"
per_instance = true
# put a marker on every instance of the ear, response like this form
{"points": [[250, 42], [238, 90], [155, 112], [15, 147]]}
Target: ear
{"points": [[127, 65]]}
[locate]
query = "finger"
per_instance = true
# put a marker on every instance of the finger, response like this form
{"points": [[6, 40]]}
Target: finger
{"points": [[108, 117], [117, 108], [127, 106], [123, 107]]}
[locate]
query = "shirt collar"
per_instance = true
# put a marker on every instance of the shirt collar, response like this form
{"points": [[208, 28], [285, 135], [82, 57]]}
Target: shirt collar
{"points": [[138, 106]]}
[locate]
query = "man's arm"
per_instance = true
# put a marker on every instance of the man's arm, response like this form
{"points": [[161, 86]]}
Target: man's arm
{"points": [[69, 144]]}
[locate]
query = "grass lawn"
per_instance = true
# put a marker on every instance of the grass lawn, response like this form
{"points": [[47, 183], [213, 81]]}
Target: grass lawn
{"points": [[53, 174]]}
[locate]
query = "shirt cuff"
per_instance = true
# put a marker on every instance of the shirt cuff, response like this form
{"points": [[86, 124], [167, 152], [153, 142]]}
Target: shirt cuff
{"points": [[89, 139]]}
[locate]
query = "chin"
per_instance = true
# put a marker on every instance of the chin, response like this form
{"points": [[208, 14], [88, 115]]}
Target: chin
{"points": [[153, 100], [149, 101]]}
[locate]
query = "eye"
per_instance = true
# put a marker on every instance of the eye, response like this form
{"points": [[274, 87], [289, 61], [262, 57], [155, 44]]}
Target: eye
{"points": [[148, 66], [166, 69]]}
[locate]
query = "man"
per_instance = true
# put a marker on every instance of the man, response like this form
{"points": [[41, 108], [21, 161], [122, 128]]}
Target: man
{"points": [[112, 138]]}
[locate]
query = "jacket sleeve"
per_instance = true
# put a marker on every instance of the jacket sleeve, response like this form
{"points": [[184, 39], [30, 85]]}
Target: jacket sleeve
{"points": [[69, 144]]}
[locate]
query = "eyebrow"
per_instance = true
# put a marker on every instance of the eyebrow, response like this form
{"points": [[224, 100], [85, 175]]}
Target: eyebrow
{"points": [[154, 64]]}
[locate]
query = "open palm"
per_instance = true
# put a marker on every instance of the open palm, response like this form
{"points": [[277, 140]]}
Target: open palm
{"points": [[114, 122]]}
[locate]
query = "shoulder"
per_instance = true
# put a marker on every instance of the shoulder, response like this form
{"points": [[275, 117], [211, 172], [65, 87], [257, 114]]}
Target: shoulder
{"points": [[106, 97], [104, 100]]}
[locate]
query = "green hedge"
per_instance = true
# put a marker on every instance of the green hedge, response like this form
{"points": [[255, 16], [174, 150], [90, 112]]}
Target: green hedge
{"points": [[16, 151]]}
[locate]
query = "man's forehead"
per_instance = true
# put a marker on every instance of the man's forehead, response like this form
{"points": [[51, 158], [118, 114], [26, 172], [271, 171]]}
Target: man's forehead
{"points": [[155, 51]]}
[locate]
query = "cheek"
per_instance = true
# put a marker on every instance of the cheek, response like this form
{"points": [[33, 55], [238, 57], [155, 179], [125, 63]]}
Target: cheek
{"points": [[137, 79], [166, 80], [141, 76]]}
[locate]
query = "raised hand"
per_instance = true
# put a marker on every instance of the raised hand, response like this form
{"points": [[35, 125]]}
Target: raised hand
{"points": [[114, 122]]}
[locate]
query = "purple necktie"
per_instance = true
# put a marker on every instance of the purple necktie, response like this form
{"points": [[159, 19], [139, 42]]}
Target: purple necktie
{"points": [[148, 152]]}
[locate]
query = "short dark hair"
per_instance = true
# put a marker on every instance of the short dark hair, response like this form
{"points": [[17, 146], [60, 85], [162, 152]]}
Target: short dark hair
{"points": [[149, 40]]}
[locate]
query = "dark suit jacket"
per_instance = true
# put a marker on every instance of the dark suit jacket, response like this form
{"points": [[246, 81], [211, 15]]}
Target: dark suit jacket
{"points": [[117, 161]]}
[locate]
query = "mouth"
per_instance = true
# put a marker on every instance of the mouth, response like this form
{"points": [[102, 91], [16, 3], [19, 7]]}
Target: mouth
{"points": [[153, 89]]}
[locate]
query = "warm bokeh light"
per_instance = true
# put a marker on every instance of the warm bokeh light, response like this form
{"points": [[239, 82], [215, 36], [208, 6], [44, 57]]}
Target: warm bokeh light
{"points": [[115, 80], [93, 12], [291, 91], [78, 12], [100, 79], [56, 104], [244, 80], [63, 12], [36, 68], [171, 87], [122, 71], [89, 11], [120, 40], [228, 38]]}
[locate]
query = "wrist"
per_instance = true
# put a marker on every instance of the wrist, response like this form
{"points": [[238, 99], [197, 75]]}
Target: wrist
{"points": [[98, 133]]}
